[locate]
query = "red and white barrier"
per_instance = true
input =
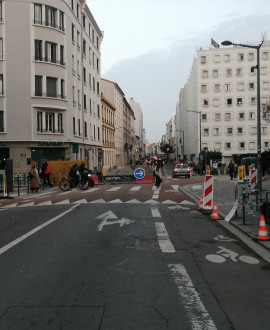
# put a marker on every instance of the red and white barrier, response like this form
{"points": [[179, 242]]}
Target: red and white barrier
{"points": [[208, 194], [253, 178]]}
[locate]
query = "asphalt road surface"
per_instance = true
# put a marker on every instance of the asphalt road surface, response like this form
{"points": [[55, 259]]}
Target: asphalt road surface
{"points": [[136, 260]]}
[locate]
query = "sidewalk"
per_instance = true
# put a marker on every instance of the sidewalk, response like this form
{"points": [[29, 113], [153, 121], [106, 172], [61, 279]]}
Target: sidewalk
{"points": [[224, 195]]}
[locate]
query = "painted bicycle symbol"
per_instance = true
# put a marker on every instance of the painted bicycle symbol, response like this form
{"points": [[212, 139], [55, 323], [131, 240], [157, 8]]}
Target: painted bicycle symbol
{"points": [[224, 253]]}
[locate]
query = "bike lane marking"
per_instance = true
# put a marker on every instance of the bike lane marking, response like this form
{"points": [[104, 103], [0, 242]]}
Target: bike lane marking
{"points": [[155, 212], [35, 230], [164, 241], [196, 311]]}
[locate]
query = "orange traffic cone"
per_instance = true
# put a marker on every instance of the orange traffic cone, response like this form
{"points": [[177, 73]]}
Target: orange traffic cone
{"points": [[262, 229], [214, 215], [201, 203]]}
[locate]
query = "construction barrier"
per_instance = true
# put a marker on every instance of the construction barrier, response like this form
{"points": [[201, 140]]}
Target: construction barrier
{"points": [[262, 235], [253, 178], [208, 194], [241, 173], [215, 215]]}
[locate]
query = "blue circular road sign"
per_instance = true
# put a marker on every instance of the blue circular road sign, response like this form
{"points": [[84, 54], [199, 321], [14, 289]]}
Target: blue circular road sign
{"points": [[139, 173]]}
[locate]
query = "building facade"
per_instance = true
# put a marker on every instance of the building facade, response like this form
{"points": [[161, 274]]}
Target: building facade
{"points": [[50, 82], [225, 92]]}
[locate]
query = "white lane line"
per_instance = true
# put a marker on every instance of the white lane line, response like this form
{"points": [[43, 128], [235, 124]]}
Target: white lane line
{"points": [[196, 312], [33, 231], [164, 241], [155, 212], [135, 188], [114, 189]]}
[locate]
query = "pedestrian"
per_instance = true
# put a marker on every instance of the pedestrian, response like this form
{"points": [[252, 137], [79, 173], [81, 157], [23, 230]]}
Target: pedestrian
{"points": [[231, 169], [158, 178], [219, 168], [34, 179], [215, 166], [46, 173]]}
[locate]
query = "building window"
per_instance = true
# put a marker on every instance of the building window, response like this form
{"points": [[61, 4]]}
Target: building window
{"points": [[251, 145], [264, 130], [39, 121], [62, 62], [1, 49], [98, 133], [38, 85], [38, 50], [50, 16], [218, 146], [252, 115], [227, 116], [203, 88], [229, 101], [251, 86], [240, 57], [217, 87], [61, 21], [266, 144], [228, 72], [227, 145], [1, 121], [251, 56], [263, 70], [241, 115], [239, 130], [239, 101], [229, 130], [98, 110], [217, 116], [265, 55], [60, 123], [37, 13], [73, 33], [204, 116], [265, 85], [241, 145], [203, 59], [205, 74], [49, 122], [215, 73], [1, 84], [74, 126], [215, 102], [253, 100], [84, 102], [216, 58], [205, 102], [50, 52], [205, 131], [240, 86], [239, 72], [62, 89], [51, 86], [216, 131], [227, 87], [226, 58], [85, 129]]}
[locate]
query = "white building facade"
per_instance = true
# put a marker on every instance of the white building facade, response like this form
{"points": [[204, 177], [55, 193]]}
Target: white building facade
{"points": [[225, 97], [50, 82]]}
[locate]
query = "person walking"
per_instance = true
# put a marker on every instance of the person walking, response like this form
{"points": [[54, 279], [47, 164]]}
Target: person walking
{"points": [[158, 178], [34, 179], [231, 169], [215, 166], [46, 174]]}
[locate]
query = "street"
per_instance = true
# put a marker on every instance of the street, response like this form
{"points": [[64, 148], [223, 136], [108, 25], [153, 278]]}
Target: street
{"points": [[136, 260]]}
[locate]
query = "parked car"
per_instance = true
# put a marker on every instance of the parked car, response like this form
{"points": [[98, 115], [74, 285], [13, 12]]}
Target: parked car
{"points": [[181, 170]]}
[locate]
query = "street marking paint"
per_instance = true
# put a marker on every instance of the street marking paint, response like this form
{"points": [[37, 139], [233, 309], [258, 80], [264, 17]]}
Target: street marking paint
{"points": [[80, 201], [33, 231], [114, 189], [164, 241], [111, 216], [155, 212], [196, 311], [136, 188]]}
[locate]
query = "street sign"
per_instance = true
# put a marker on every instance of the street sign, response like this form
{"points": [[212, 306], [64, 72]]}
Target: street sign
{"points": [[201, 157], [139, 173]]}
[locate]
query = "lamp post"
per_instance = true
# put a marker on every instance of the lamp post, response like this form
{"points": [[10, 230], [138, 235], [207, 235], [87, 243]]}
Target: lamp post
{"points": [[257, 66]]}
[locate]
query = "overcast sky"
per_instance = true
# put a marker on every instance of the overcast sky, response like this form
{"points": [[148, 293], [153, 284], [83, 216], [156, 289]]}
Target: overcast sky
{"points": [[149, 45]]}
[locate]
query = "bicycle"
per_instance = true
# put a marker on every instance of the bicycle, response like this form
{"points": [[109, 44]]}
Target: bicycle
{"points": [[81, 181]]}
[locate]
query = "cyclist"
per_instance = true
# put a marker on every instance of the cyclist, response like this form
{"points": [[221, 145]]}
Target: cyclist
{"points": [[73, 173]]}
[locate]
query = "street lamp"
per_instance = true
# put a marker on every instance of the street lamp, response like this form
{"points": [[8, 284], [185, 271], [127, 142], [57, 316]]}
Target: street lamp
{"points": [[259, 142]]}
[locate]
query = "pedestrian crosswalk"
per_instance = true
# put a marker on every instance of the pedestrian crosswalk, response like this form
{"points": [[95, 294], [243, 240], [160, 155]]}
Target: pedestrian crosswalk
{"points": [[50, 197]]}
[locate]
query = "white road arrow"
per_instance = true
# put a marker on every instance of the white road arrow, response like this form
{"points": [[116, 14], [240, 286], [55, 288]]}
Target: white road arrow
{"points": [[110, 215]]}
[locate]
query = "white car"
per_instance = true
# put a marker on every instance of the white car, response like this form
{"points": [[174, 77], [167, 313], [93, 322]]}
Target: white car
{"points": [[182, 170]]}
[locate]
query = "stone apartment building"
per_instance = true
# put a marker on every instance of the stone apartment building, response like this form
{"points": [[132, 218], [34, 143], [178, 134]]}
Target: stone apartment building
{"points": [[49, 82], [123, 122], [217, 107]]}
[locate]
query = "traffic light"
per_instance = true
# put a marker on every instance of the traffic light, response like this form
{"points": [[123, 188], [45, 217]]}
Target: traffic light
{"points": [[167, 149]]}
